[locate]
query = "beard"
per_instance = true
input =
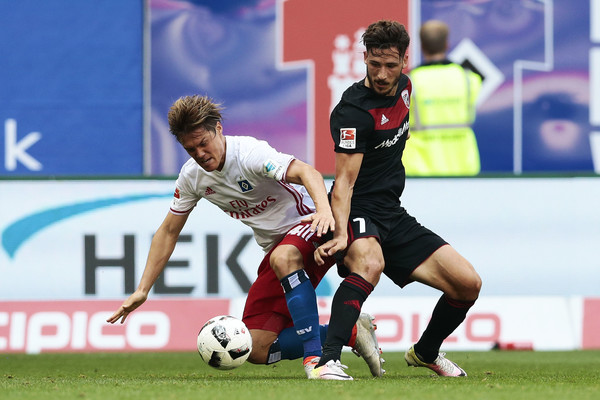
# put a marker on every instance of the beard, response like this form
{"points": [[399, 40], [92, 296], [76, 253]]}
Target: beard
{"points": [[383, 88]]}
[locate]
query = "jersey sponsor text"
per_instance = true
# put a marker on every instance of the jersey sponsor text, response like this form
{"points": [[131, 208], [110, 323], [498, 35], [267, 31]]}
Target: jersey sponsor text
{"points": [[244, 210], [391, 142]]}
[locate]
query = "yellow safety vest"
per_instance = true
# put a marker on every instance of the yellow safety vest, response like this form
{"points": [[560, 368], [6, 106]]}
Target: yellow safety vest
{"points": [[442, 109]]}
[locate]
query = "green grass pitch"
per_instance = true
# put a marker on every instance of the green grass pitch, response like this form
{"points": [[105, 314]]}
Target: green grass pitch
{"points": [[492, 375]]}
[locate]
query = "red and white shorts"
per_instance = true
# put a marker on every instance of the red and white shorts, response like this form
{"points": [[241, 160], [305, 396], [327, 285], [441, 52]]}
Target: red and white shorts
{"points": [[266, 307]]}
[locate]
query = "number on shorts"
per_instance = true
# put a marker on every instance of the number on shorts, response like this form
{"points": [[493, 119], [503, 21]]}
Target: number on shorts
{"points": [[361, 224]]}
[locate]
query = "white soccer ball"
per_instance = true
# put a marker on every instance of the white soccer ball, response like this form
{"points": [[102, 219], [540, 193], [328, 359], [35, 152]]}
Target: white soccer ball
{"points": [[224, 342]]}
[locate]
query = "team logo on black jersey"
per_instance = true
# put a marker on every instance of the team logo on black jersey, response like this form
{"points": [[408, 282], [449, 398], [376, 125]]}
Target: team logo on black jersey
{"points": [[406, 97], [348, 138], [245, 185]]}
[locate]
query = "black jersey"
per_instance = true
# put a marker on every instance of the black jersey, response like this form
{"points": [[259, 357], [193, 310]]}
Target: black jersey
{"points": [[377, 126]]}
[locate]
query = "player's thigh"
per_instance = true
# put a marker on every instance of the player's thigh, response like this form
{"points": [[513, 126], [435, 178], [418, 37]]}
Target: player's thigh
{"points": [[296, 251], [265, 302], [449, 272], [365, 257]]}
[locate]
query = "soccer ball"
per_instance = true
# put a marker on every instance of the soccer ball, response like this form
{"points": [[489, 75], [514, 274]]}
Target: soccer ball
{"points": [[224, 342]]}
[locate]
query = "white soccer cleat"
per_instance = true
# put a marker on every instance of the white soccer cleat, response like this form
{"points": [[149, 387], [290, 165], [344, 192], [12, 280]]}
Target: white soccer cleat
{"points": [[332, 370], [366, 345], [441, 366], [310, 365]]}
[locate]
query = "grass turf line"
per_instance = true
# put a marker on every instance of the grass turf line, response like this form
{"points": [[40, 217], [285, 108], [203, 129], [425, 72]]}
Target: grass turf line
{"points": [[493, 375]]}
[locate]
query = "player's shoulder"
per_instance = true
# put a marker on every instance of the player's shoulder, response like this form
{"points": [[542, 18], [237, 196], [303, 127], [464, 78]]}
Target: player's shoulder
{"points": [[355, 94], [353, 104], [189, 173], [245, 142], [252, 155], [404, 88], [404, 83], [236, 142], [242, 146], [189, 167]]}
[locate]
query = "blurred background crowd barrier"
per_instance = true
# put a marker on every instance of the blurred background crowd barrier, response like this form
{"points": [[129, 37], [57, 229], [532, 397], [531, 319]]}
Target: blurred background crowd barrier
{"points": [[87, 163], [86, 85]]}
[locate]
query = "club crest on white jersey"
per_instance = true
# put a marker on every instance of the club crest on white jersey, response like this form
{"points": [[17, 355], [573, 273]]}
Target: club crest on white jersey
{"points": [[245, 185]]}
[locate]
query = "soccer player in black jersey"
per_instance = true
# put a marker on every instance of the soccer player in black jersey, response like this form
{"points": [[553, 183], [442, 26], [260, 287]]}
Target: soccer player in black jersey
{"points": [[373, 232]]}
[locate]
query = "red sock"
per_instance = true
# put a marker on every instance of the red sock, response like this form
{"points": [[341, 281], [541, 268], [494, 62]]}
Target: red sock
{"points": [[352, 340]]}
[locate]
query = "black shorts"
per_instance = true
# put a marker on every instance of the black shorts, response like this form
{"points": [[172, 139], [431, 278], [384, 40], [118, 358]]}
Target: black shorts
{"points": [[404, 241]]}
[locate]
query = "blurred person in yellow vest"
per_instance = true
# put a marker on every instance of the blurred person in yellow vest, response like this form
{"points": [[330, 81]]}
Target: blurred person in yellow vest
{"points": [[442, 110]]}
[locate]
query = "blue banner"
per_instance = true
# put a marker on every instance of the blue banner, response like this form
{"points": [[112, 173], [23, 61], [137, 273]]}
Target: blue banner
{"points": [[71, 87], [72, 83]]}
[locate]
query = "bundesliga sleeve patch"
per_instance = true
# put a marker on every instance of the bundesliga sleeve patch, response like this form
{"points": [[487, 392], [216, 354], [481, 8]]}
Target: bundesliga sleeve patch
{"points": [[348, 138], [273, 169]]}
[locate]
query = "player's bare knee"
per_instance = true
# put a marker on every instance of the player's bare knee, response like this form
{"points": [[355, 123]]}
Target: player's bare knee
{"points": [[286, 262], [374, 272], [369, 268], [475, 286], [473, 282], [469, 287]]}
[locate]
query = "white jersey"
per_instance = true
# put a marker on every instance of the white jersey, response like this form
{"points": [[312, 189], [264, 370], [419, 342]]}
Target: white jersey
{"points": [[251, 187]]}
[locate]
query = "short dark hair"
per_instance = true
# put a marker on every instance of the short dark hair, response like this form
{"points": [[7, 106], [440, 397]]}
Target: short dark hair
{"points": [[190, 113], [384, 34]]}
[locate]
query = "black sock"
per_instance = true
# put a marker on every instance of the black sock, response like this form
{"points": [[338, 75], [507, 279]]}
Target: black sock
{"points": [[447, 315], [345, 310]]}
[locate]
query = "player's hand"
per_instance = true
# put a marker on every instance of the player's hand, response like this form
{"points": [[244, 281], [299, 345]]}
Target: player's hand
{"points": [[134, 301], [321, 222], [329, 248]]}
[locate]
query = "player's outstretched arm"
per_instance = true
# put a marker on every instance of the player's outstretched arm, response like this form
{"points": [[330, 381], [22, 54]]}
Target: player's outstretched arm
{"points": [[134, 301], [301, 173], [347, 167], [163, 244]]}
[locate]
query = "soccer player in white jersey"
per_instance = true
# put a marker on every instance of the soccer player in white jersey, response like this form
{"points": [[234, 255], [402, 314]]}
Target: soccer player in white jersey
{"points": [[284, 201]]}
